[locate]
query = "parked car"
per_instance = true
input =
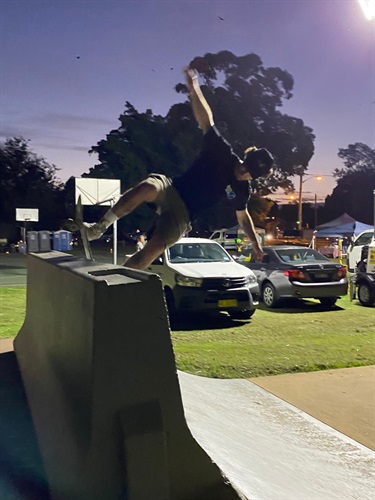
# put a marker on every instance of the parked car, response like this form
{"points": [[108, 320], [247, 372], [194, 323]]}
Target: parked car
{"points": [[199, 275], [298, 272]]}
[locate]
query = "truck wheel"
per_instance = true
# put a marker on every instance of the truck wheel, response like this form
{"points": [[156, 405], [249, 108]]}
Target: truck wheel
{"points": [[169, 299], [366, 294], [328, 301], [244, 314]]}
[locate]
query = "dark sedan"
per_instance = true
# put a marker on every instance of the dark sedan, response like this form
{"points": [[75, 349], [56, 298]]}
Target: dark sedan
{"points": [[298, 272]]}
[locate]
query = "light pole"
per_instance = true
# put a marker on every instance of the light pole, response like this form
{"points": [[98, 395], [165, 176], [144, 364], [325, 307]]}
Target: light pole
{"points": [[300, 203], [302, 179]]}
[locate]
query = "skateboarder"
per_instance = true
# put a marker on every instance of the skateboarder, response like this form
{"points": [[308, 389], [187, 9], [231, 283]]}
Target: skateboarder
{"points": [[216, 172]]}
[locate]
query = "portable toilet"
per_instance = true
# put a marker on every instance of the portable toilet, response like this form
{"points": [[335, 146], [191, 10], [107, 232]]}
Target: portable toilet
{"points": [[44, 241], [62, 240], [56, 240], [66, 240], [32, 241]]}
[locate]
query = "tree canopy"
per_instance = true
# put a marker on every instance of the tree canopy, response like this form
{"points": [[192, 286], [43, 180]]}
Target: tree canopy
{"points": [[27, 181], [355, 185]]}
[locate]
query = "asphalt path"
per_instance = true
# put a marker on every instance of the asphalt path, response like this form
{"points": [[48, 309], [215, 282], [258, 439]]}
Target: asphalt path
{"points": [[13, 270]]}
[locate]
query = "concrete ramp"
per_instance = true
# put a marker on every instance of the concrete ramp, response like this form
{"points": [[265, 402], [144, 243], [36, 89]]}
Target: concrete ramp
{"points": [[270, 449], [99, 373]]}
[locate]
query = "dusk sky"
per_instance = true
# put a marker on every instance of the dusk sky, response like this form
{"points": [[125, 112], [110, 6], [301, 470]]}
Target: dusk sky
{"points": [[67, 68]]}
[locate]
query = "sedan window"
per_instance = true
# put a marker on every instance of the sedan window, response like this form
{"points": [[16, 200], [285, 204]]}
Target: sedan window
{"points": [[295, 256]]}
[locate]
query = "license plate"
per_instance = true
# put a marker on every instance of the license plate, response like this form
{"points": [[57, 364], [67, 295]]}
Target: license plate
{"points": [[228, 303], [321, 275]]}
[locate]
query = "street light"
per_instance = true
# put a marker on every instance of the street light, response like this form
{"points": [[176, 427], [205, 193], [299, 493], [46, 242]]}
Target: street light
{"points": [[368, 7], [301, 182]]}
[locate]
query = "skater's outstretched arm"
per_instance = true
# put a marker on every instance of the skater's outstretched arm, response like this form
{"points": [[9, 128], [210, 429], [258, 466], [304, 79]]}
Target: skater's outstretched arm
{"points": [[246, 222], [201, 109]]}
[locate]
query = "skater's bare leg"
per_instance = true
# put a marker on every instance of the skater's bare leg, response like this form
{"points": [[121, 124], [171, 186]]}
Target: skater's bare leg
{"points": [[144, 192], [142, 259], [132, 198]]}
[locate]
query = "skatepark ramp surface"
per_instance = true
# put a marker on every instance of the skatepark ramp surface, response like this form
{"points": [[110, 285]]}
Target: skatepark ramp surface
{"points": [[97, 364], [270, 449]]}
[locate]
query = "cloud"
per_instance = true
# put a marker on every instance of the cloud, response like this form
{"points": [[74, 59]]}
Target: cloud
{"points": [[55, 131], [65, 147], [71, 121]]}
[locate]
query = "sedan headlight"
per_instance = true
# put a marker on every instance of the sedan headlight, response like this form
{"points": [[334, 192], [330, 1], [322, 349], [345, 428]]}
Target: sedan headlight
{"points": [[187, 281], [251, 279]]}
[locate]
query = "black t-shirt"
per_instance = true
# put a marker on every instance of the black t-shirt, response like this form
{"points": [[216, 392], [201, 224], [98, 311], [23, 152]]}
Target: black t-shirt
{"points": [[211, 176]]}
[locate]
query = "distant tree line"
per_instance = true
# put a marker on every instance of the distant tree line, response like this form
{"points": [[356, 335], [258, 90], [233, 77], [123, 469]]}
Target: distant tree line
{"points": [[27, 181], [246, 98]]}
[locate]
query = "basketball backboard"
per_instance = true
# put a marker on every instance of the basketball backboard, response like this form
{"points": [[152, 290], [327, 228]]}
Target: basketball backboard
{"points": [[97, 191], [27, 214]]}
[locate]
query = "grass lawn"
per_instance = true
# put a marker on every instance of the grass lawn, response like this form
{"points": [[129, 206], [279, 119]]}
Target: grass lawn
{"points": [[300, 337], [12, 310]]}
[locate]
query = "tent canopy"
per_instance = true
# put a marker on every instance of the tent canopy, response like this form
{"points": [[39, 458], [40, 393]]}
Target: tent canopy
{"points": [[344, 225]]}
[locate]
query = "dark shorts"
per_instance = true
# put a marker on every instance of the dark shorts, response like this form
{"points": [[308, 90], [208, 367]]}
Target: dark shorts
{"points": [[173, 217]]}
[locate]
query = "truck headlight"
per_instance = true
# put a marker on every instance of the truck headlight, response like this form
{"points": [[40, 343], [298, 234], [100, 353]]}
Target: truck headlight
{"points": [[187, 281]]}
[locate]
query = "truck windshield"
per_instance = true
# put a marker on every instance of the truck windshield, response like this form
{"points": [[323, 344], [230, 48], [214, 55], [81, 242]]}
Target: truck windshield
{"points": [[197, 252]]}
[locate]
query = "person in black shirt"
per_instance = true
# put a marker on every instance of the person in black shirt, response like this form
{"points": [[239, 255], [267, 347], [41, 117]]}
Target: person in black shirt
{"points": [[216, 172]]}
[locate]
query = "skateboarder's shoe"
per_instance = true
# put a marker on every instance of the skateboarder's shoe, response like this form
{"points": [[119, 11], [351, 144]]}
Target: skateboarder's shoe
{"points": [[94, 230]]}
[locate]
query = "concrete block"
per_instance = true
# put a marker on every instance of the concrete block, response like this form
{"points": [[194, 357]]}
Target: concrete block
{"points": [[97, 363]]}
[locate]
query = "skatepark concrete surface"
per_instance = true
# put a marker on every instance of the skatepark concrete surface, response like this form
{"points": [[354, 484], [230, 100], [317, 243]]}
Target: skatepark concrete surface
{"points": [[269, 448]]}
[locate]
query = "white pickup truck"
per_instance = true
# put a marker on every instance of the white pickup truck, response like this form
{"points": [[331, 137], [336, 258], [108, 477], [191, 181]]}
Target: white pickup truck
{"points": [[199, 275], [355, 248]]}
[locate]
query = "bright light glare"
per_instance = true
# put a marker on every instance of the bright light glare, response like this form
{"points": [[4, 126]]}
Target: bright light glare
{"points": [[368, 7], [319, 178]]}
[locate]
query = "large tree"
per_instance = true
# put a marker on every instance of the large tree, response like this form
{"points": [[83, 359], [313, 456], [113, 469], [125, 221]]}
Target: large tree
{"points": [[245, 98], [27, 181], [355, 184]]}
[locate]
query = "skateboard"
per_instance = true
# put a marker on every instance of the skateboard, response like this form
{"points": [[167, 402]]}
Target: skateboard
{"points": [[79, 221]]}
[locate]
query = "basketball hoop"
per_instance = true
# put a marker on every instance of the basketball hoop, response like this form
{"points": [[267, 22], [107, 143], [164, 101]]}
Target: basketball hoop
{"points": [[27, 214]]}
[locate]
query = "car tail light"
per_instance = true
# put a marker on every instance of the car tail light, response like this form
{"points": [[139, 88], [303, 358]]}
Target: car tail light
{"points": [[341, 272], [294, 274]]}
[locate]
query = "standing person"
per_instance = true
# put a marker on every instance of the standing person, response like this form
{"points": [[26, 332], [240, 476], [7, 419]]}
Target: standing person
{"points": [[141, 241], [345, 244], [216, 172]]}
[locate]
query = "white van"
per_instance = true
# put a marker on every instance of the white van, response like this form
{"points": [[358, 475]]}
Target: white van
{"points": [[355, 248], [227, 238], [235, 238]]}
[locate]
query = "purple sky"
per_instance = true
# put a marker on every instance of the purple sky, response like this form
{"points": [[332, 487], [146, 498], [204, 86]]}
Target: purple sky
{"points": [[127, 48]]}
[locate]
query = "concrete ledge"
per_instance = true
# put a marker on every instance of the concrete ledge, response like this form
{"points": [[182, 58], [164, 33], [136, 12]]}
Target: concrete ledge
{"points": [[98, 367]]}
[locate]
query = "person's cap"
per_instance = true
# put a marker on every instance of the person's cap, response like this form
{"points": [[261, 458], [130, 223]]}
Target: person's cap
{"points": [[258, 162]]}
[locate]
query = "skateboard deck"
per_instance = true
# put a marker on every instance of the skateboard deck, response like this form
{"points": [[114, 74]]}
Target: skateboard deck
{"points": [[79, 220]]}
